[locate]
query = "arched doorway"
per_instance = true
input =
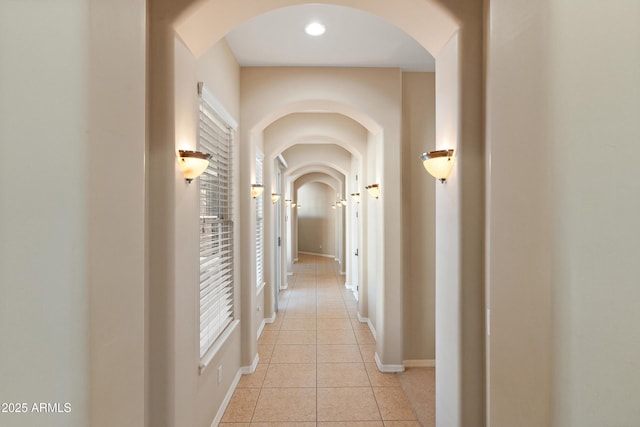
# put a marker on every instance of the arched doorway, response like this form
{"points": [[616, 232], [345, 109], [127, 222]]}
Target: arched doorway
{"points": [[459, 59]]}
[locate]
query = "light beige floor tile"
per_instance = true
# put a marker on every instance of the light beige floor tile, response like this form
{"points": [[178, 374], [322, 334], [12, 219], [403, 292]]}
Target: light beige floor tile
{"points": [[333, 314], [288, 375], [342, 375], [234, 424], [336, 337], [351, 424], [276, 323], [254, 380], [403, 424], [294, 353], [329, 303], [358, 325], [241, 405], [347, 404], [268, 337], [337, 353], [393, 404], [364, 337], [368, 352], [297, 337], [332, 324], [264, 352], [299, 324], [286, 404], [419, 385], [301, 313], [379, 379], [284, 424]]}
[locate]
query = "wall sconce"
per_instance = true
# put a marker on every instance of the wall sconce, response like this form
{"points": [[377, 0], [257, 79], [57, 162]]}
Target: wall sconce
{"points": [[344, 202], [374, 190], [256, 190], [438, 163], [299, 206], [333, 206], [275, 197], [193, 163], [287, 202], [355, 197]]}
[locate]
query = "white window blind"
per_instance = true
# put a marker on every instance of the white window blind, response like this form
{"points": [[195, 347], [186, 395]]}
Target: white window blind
{"points": [[260, 223], [215, 136]]}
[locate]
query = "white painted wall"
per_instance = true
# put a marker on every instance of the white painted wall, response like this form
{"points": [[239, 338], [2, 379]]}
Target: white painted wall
{"points": [[71, 221], [44, 246], [564, 234]]}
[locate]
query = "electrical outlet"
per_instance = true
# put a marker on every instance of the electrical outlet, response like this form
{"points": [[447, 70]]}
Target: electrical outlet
{"points": [[219, 374]]}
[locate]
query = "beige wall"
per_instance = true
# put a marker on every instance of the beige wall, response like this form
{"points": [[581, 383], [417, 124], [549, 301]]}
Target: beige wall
{"points": [[190, 398], [563, 270], [373, 98], [316, 219], [44, 213], [163, 191], [419, 134], [72, 246]]}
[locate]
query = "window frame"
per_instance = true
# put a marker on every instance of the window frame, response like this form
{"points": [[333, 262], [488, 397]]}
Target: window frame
{"points": [[217, 253]]}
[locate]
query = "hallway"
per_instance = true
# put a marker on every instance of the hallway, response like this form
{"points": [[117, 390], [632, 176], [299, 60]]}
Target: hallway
{"points": [[317, 362]]}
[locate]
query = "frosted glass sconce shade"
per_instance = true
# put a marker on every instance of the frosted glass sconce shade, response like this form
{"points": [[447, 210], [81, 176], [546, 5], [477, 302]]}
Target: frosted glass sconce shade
{"points": [[256, 190], [356, 197], [374, 190], [275, 197], [438, 163], [192, 163]]}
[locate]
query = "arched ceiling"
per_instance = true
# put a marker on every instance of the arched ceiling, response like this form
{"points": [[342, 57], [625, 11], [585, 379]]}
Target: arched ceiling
{"points": [[206, 22], [353, 38], [315, 128]]}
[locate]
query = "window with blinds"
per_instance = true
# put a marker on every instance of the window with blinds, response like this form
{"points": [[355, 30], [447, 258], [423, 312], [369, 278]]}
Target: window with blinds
{"points": [[259, 223], [215, 136]]}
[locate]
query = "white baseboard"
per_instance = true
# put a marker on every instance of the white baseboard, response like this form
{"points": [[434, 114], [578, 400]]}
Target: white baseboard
{"points": [[388, 368], [264, 322], [369, 324], [284, 286], [246, 370], [316, 254], [289, 273], [343, 273], [295, 260], [261, 328], [227, 398], [420, 363], [270, 319]]}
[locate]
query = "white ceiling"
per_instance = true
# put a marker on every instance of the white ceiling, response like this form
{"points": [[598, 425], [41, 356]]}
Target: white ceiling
{"points": [[352, 39]]}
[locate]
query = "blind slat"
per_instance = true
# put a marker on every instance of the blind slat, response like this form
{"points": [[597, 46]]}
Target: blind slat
{"points": [[216, 228]]}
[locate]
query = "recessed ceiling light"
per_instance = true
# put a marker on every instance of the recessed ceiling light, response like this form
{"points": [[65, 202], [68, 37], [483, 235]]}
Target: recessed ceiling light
{"points": [[315, 29]]}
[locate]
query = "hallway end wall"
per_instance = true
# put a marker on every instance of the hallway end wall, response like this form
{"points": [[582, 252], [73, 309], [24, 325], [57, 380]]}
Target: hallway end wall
{"points": [[316, 219]]}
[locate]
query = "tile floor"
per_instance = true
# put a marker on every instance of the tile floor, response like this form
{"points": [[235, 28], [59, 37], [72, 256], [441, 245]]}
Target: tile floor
{"points": [[316, 363]]}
